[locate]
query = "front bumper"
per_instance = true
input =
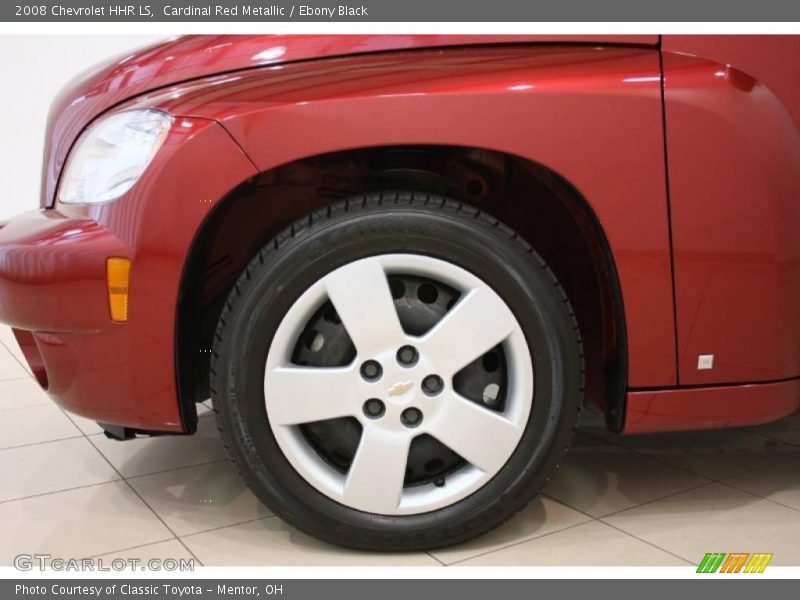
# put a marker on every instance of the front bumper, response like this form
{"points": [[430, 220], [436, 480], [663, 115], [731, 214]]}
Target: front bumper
{"points": [[53, 294], [53, 288], [52, 272]]}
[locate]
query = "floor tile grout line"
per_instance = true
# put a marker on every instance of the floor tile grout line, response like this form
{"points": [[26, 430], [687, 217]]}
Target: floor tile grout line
{"points": [[52, 403], [53, 492], [654, 500], [71, 437], [48, 402], [85, 436], [142, 437], [227, 525], [687, 470], [164, 523], [710, 480], [177, 536], [173, 469], [533, 537], [18, 361], [138, 495], [636, 537], [629, 534], [264, 518], [600, 520], [770, 437], [611, 437], [127, 483], [119, 477], [147, 504], [25, 378], [705, 476], [172, 539], [761, 468], [520, 542], [441, 563], [44, 443], [754, 495], [722, 482]]}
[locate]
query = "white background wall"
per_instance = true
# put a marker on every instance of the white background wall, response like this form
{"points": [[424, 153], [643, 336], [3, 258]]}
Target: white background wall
{"points": [[34, 68]]}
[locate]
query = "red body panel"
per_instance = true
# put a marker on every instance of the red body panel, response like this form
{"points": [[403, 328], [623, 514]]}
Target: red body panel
{"points": [[591, 114], [770, 59], [192, 57], [711, 407], [52, 281], [734, 171], [46, 257], [539, 104]]}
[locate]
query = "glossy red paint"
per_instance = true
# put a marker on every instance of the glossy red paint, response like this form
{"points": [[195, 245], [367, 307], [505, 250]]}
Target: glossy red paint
{"points": [[734, 170], [534, 103], [713, 407], [192, 57], [52, 281], [770, 59], [30, 351], [590, 113], [46, 257]]}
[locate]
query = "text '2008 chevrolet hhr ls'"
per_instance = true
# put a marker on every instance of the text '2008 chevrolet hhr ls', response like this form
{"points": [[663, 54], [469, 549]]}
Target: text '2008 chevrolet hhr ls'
{"points": [[401, 265]]}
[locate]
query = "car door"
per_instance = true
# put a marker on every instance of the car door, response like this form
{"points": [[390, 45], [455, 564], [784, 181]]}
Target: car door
{"points": [[732, 114]]}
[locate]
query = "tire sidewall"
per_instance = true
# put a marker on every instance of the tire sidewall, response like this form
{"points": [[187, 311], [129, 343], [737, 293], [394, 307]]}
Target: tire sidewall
{"points": [[277, 277]]}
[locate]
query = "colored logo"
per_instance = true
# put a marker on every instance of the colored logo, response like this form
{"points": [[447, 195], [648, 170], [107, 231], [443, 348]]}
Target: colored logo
{"points": [[737, 562]]}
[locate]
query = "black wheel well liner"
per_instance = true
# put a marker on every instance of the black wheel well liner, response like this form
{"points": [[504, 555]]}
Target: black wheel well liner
{"points": [[539, 204]]}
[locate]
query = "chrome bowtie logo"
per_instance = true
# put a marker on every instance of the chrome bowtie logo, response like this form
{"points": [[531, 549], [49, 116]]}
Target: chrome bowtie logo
{"points": [[400, 388]]}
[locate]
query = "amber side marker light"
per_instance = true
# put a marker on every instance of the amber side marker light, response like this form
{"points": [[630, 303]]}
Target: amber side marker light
{"points": [[118, 276]]}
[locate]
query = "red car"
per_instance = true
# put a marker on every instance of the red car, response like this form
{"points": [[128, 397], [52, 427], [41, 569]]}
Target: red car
{"points": [[400, 265]]}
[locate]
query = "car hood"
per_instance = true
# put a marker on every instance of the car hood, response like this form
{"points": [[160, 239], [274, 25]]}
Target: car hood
{"points": [[185, 58]]}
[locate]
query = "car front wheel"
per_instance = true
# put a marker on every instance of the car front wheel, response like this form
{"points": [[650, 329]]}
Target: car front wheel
{"points": [[396, 372]]}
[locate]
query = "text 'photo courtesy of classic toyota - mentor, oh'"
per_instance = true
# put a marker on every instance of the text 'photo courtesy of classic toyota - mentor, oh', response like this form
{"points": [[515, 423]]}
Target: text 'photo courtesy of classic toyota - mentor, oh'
{"points": [[401, 266]]}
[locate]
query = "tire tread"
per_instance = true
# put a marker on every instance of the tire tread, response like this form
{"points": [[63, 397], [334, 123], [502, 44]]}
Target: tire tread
{"points": [[317, 218]]}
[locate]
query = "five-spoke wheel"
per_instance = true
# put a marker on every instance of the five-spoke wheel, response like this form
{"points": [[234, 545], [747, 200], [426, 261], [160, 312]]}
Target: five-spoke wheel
{"points": [[399, 386], [396, 372]]}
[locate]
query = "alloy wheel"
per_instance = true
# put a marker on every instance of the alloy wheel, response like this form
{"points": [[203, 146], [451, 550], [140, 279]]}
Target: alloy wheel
{"points": [[398, 384]]}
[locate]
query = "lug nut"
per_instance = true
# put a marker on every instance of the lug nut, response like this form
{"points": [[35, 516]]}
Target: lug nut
{"points": [[407, 356], [432, 385], [374, 408], [411, 417], [371, 370]]}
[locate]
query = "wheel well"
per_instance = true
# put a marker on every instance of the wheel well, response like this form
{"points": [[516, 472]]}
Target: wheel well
{"points": [[541, 206]]}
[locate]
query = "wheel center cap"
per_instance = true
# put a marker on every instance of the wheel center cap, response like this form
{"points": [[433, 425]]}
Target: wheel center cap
{"points": [[400, 388]]}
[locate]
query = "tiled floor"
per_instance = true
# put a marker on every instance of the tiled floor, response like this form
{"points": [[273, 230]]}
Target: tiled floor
{"points": [[651, 500]]}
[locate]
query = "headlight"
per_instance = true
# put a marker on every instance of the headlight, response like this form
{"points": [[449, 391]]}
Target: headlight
{"points": [[111, 155]]}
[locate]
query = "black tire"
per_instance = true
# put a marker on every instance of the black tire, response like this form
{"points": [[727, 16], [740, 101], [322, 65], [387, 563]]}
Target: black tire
{"points": [[375, 224]]}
